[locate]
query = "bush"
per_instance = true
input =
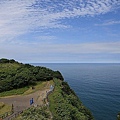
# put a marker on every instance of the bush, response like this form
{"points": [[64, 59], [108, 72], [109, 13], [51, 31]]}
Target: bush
{"points": [[65, 105], [15, 75], [39, 113]]}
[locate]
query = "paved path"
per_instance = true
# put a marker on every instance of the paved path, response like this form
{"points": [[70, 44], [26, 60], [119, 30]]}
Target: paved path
{"points": [[23, 102]]}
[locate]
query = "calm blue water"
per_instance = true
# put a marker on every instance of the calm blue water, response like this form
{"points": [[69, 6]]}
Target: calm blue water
{"points": [[97, 85]]}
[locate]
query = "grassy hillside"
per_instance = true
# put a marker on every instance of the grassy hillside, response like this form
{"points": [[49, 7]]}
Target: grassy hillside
{"points": [[65, 105], [14, 75]]}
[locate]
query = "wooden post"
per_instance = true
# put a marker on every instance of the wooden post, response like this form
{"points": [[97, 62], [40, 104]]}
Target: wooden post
{"points": [[12, 108]]}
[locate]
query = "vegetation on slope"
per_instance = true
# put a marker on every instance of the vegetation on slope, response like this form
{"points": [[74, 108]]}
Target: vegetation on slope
{"points": [[38, 113], [14, 75], [65, 105], [118, 116], [18, 91], [4, 108]]}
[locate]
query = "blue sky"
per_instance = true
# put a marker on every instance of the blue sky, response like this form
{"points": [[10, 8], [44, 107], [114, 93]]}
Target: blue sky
{"points": [[60, 31]]}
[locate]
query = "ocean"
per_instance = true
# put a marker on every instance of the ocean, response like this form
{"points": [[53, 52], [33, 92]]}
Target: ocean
{"points": [[97, 86]]}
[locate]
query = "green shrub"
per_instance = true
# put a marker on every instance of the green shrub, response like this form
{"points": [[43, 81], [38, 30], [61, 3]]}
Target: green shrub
{"points": [[38, 113], [14, 75], [65, 105]]}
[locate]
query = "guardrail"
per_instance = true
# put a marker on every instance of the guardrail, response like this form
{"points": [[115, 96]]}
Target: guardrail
{"points": [[49, 92]]}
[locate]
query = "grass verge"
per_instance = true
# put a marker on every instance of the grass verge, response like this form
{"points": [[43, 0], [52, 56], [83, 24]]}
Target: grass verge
{"points": [[4, 108], [14, 92], [27, 90], [39, 86]]}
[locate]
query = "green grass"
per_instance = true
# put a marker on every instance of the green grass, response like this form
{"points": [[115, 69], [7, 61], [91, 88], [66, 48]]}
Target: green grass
{"points": [[56, 92], [25, 90], [9, 66], [39, 86], [65, 105], [1, 105], [14, 92], [38, 113], [58, 105], [4, 108]]}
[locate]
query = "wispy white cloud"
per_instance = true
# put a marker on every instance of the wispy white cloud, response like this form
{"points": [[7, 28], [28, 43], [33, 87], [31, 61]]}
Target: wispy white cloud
{"points": [[46, 37], [18, 17], [12, 19], [113, 22], [83, 48]]}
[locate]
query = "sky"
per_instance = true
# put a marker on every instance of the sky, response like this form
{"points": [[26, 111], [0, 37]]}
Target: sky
{"points": [[60, 31]]}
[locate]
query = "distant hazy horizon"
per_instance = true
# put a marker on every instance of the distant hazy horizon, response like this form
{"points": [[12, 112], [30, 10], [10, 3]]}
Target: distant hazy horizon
{"points": [[72, 63]]}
